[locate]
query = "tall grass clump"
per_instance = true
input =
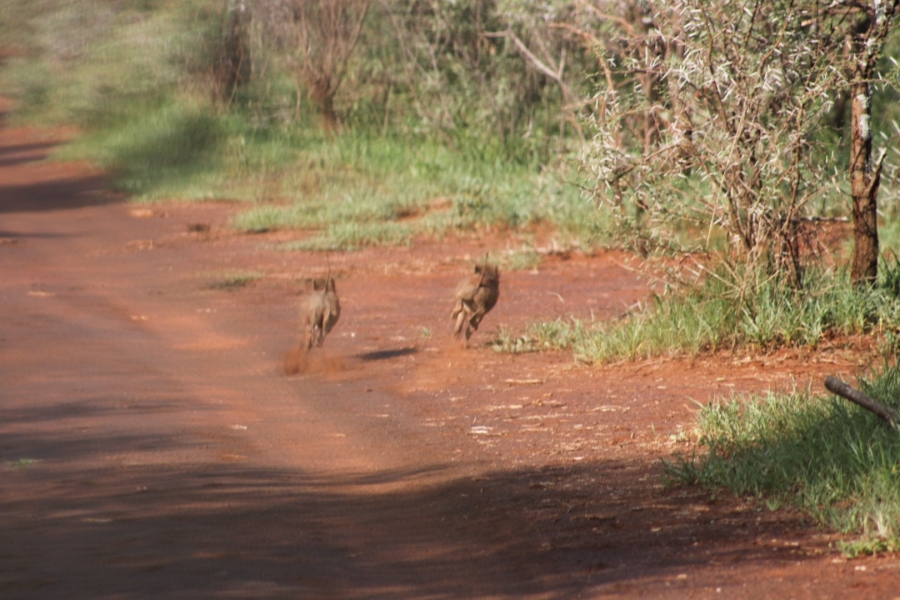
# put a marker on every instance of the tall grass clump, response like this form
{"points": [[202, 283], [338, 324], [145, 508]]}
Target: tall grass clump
{"points": [[831, 459]]}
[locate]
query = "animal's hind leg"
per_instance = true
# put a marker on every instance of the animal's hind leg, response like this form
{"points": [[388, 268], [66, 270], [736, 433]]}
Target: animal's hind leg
{"points": [[313, 334], [320, 337], [475, 320], [461, 317]]}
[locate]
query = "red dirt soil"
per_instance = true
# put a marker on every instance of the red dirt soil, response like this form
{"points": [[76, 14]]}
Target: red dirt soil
{"points": [[152, 445]]}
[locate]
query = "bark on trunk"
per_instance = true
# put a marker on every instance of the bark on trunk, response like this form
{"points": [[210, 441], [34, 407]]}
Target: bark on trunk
{"points": [[234, 64], [836, 386], [324, 98], [864, 188]]}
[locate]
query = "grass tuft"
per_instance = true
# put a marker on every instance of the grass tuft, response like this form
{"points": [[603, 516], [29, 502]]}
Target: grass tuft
{"points": [[541, 336], [234, 281]]}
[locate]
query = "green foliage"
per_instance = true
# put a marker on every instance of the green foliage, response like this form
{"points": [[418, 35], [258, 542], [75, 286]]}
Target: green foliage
{"points": [[417, 69], [101, 61], [714, 138], [165, 151], [458, 77], [355, 235], [832, 459], [417, 155], [448, 124]]}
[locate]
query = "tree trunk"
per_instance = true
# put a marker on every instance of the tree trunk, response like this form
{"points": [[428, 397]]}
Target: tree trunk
{"points": [[323, 94], [865, 43], [234, 64], [864, 187]]}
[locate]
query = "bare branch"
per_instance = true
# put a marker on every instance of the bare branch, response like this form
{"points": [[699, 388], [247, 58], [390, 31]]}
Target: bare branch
{"points": [[836, 386]]}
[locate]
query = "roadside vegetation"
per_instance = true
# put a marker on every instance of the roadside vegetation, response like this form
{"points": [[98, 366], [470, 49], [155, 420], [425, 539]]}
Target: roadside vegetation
{"points": [[823, 455], [719, 314], [753, 144], [390, 159]]}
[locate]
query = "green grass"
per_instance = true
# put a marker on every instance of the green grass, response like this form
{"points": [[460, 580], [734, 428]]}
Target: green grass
{"points": [[542, 336], [718, 315], [352, 190], [21, 463], [355, 235], [96, 63], [135, 77], [832, 459], [520, 260], [355, 190], [234, 281]]}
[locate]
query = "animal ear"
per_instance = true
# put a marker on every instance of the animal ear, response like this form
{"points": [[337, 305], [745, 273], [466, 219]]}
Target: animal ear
{"points": [[478, 269], [331, 286], [318, 284]]}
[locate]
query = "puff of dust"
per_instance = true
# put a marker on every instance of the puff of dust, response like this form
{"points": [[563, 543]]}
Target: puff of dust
{"points": [[454, 348], [328, 364], [296, 360], [299, 360]]}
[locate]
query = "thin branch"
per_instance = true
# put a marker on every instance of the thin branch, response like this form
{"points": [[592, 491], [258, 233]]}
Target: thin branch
{"points": [[554, 74], [543, 68]]}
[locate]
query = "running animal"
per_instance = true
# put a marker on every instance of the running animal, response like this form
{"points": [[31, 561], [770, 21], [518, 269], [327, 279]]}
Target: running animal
{"points": [[475, 297], [319, 311]]}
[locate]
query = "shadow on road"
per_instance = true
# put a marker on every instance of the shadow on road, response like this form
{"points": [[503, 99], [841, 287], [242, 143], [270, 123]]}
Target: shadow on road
{"points": [[131, 527], [20, 154], [387, 354], [54, 195], [27, 184]]}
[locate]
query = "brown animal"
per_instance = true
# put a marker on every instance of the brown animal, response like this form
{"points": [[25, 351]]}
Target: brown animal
{"points": [[475, 297], [319, 311]]}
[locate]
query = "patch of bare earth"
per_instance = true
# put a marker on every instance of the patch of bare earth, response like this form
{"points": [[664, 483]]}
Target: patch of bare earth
{"points": [[151, 444]]}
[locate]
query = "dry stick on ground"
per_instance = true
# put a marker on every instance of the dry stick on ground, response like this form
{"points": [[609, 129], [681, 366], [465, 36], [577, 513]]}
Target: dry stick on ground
{"points": [[835, 385]]}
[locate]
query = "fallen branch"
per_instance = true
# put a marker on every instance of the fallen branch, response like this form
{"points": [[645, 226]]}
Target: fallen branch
{"points": [[836, 386]]}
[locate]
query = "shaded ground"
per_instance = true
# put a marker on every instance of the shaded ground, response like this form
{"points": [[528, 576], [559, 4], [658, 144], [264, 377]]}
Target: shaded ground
{"points": [[152, 446]]}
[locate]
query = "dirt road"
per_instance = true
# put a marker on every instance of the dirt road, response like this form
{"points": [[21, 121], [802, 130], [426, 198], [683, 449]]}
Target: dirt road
{"points": [[151, 445]]}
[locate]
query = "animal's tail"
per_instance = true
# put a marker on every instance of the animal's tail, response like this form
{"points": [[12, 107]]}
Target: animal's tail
{"points": [[483, 269], [328, 277]]}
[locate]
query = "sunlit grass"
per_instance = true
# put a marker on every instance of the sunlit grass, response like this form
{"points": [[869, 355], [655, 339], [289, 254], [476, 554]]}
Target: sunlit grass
{"points": [[353, 189], [711, 317], [234, 280], [135, 78]]}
